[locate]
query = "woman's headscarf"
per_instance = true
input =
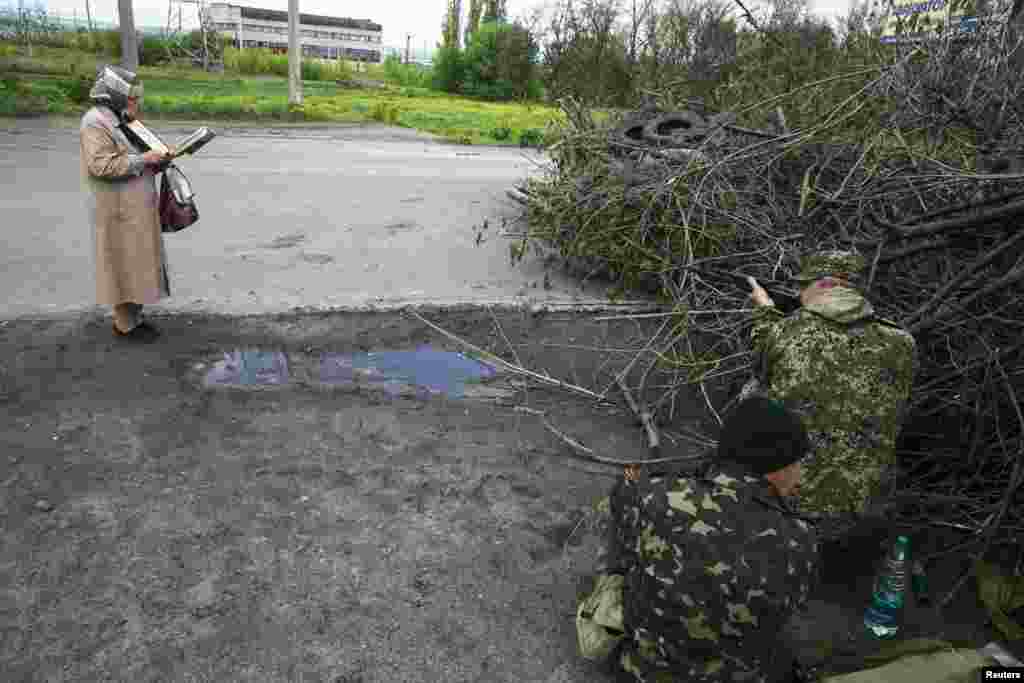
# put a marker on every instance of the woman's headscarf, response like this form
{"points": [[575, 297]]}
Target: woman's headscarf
{"points": [[114, 86]]}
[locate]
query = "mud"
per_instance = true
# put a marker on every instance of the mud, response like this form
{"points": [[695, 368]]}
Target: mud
{"points": [[158, 530]]}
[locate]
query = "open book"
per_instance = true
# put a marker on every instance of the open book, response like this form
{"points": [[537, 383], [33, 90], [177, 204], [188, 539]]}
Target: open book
{"points": [[147, 140]]}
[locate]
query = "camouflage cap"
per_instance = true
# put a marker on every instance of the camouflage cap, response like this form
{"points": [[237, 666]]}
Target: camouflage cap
{"points": [[848, 265]]}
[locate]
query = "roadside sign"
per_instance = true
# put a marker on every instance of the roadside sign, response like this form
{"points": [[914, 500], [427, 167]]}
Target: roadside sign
{"points": [[913, 20]]}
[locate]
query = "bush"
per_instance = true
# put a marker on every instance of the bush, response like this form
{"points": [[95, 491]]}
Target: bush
{"points": [[499, 62], [531, 137], [406, 75], [498, 91], [12, 84], [501, 133], [152, 51], [109, 43], [319, 70], [255, 61], [449, 70], [263, 61], [18, 98], [76, 89]]}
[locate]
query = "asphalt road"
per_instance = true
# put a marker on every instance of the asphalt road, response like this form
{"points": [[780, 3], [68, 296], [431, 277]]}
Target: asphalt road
{"points": [[291, 217]]}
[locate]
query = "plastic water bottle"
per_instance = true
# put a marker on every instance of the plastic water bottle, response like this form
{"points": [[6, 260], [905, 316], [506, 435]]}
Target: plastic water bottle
{"points": [[919, 583], [883, 615]]}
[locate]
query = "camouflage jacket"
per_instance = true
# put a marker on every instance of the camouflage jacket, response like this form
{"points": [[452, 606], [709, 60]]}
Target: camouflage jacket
{"points": [[714, 566], [848, 375]]}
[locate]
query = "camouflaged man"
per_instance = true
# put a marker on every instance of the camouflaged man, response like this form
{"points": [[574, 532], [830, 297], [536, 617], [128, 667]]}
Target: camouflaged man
{"points": [[845, 372], [713, 565]]}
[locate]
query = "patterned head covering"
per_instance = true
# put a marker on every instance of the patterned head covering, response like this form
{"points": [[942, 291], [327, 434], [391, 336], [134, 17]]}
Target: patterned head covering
{"points": [[114, 86], [848, 265]]}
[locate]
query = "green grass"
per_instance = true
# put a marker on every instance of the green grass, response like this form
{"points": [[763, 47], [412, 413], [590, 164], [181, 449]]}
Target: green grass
{"points": [[179, 92]]}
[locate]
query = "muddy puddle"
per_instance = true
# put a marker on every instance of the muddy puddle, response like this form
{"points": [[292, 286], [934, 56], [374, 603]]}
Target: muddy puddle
{"points": [[424, 372]]}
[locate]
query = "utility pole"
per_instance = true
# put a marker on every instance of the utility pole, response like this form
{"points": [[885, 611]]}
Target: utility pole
{"points": [[129, 41], [294, 55], [25, 25], [408, 42], [88, 15]]}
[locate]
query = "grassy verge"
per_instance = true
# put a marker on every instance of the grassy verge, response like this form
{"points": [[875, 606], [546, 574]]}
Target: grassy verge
{"points": [[49, 83]]}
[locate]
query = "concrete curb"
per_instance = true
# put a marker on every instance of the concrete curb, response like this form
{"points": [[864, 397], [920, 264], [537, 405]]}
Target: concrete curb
{"points": [[440, 306]]}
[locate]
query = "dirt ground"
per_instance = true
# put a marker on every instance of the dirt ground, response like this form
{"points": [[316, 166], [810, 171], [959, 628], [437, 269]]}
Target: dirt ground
{"points": [[156, 530]]}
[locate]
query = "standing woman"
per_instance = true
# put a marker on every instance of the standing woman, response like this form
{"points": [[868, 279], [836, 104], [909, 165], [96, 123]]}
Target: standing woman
{"points": [[131, 269]]}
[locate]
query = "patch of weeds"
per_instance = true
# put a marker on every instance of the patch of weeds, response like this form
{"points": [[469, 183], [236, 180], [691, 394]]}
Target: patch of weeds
{"points": [[459, 138], [76, 89], [501, 133], [317, 112], [19, 98], [531, 137], [386, 112]]}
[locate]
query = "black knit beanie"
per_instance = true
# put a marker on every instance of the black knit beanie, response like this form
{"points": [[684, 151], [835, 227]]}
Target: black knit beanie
{"points": [[763, 435]]}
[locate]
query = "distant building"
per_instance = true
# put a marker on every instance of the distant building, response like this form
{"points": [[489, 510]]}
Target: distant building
{"points": [[320, 37]]}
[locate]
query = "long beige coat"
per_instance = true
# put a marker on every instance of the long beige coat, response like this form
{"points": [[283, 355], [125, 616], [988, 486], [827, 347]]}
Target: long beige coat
{"points": [[128, 246]]}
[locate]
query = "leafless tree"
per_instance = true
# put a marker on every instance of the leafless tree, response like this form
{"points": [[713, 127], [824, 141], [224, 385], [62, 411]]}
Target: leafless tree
{"points": [[862, 17], [697, 37], [451, 27], [476, 8], [639, 14], [584, 53], [786, 14]]}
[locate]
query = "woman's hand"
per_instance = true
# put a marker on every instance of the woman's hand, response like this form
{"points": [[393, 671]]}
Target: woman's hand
{"points": [[154, 158]]}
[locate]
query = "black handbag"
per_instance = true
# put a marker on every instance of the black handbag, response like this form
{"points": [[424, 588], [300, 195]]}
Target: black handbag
{"points": [[177, 205]]}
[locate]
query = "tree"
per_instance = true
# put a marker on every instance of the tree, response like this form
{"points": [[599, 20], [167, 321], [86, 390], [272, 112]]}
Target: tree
{"points": [[585, 56], [476, 8], [129, 38], [787, 14], [692, 40], [639, 13], [449, 70], [500, 62], [494, 10], [862, 19], [450, 27], [29, 23]]}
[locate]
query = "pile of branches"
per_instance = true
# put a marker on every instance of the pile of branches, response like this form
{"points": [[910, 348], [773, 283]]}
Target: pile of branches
{"points": [[928, 192]]}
